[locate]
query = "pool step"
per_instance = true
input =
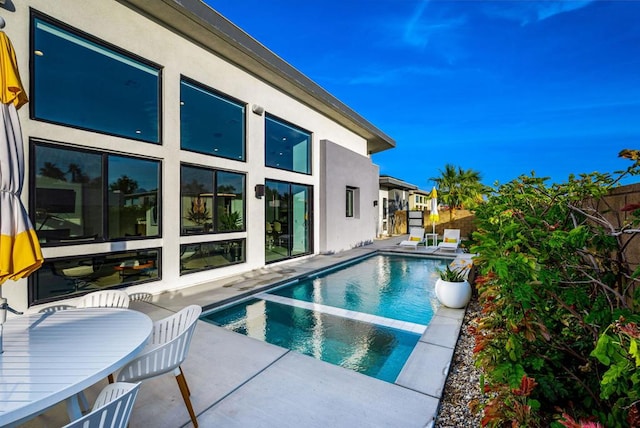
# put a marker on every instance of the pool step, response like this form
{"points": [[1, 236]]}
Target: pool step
{"points": [[358, 316]]}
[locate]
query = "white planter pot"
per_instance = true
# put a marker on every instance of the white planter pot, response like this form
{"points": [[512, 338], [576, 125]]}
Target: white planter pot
{"points": [[454, 295]]}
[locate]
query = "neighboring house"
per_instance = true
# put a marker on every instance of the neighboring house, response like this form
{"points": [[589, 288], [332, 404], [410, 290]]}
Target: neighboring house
{"points": [[394, 195], [168, 148], [419, 200]]}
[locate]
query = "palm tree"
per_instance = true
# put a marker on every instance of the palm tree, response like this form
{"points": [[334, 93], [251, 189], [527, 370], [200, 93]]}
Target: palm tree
{"points": [[51, 170], [77, 175], [471, 189], [459, 188], [125, 184]]}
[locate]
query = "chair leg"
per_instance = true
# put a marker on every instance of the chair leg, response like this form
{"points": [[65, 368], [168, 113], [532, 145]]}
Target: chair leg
{"points": [[185, 381], [184, 390]]}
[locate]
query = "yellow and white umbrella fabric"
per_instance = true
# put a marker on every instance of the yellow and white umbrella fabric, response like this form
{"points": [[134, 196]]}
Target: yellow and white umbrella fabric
{"points": [[20, 252], [434, 217]]}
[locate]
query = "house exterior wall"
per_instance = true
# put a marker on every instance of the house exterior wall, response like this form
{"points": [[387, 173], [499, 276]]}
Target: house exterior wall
{"points": [[152, 40], [338, 166]]}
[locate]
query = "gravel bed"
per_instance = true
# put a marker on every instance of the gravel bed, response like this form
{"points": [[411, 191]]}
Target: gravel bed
{"points": [[463, 382]]}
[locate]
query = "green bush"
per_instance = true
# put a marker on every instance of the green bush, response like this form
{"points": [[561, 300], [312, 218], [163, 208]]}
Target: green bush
{"points": [[556, 338]]}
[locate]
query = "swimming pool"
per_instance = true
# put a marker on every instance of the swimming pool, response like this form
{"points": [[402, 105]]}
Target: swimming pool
{"points": [[366, 316]]}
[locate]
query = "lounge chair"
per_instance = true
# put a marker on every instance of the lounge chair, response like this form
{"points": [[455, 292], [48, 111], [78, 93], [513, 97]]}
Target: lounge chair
{"points": [[416, 236], [450, 240]]}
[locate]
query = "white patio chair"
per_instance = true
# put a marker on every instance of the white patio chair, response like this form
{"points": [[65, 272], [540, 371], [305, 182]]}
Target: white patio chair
{"points": [[166, 350], [112, 408], [140, 296], [416, 236], [450, 240], [105, 299], [55, 308]]}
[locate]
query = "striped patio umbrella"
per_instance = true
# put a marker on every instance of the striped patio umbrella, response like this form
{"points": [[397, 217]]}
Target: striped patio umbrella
{"points": [[434, 216], [20, 252]]}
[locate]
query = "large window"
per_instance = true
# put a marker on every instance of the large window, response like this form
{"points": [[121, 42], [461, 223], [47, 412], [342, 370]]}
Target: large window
{"points": [[211, 255], [83, 83], [287, 147], [72, 276], [211, 123], [83, 196], [288, 226], [211, 201]]}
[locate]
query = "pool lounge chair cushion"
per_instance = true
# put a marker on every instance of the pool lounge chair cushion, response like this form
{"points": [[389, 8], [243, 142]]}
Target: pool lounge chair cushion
{"points": [[450, 240], [416, 236]]}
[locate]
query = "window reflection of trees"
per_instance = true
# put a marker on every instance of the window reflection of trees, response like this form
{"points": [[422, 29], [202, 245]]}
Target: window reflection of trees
{"points": [[60, 195], [69, 200], [211, 255]]}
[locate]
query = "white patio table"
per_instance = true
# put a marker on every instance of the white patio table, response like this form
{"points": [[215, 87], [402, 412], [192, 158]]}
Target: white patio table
{"points": [[51, 357]]}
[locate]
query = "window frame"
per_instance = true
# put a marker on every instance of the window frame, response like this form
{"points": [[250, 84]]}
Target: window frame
{"points": [[103, 236], [224, 97], [214, 217], [350, 202], [285, 123], [309, 227], [122, 284], [37, 15], [184, 247]]}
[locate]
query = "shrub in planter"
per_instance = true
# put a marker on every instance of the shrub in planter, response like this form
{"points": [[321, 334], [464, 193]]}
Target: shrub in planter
{"points": [[452, 288]]}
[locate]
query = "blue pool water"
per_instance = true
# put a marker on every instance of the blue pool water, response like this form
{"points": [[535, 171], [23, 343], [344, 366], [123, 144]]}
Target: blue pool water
{"points": [[375, 291], [390, 286]]}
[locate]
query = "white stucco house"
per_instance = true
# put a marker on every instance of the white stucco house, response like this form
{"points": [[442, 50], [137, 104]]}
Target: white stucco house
{"points": [[165, 148]]}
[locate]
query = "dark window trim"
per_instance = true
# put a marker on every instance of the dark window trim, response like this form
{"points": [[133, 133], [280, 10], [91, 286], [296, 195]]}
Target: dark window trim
{"points": [[31, 294], [214, 217], [293, 125], [34, 141], [229, 98], [35, 14], [204, 269], [312, 217], [352, 191]]}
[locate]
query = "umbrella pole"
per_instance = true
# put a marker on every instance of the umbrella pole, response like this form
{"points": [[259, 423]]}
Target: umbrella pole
{"points": [[4, 307], [3, 318]]}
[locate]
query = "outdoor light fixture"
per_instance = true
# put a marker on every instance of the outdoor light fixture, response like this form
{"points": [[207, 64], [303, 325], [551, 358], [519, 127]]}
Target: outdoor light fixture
{"points": [[259, 190], [257, 109]]}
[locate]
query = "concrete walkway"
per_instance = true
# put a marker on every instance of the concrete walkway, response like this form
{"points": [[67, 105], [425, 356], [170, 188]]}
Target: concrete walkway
{"points": [[237, 381]]}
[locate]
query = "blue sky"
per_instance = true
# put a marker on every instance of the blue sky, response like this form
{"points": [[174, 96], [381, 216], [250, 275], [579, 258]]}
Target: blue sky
{"points": [[501, 87]]}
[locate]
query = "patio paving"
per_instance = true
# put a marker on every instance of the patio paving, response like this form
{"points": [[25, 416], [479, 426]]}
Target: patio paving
{"points": [[237, 381]]}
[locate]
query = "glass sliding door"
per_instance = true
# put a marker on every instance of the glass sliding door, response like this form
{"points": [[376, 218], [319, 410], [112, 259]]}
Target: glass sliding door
{"points": [[288, 225], [300, 198]]}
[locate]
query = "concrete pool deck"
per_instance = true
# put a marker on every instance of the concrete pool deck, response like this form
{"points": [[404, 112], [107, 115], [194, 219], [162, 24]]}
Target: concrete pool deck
{"points": [[237, 381]]}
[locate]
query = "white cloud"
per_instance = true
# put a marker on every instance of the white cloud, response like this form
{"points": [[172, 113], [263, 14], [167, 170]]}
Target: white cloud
{"points": [[551, 8], [420, 27], [527, 12]]}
